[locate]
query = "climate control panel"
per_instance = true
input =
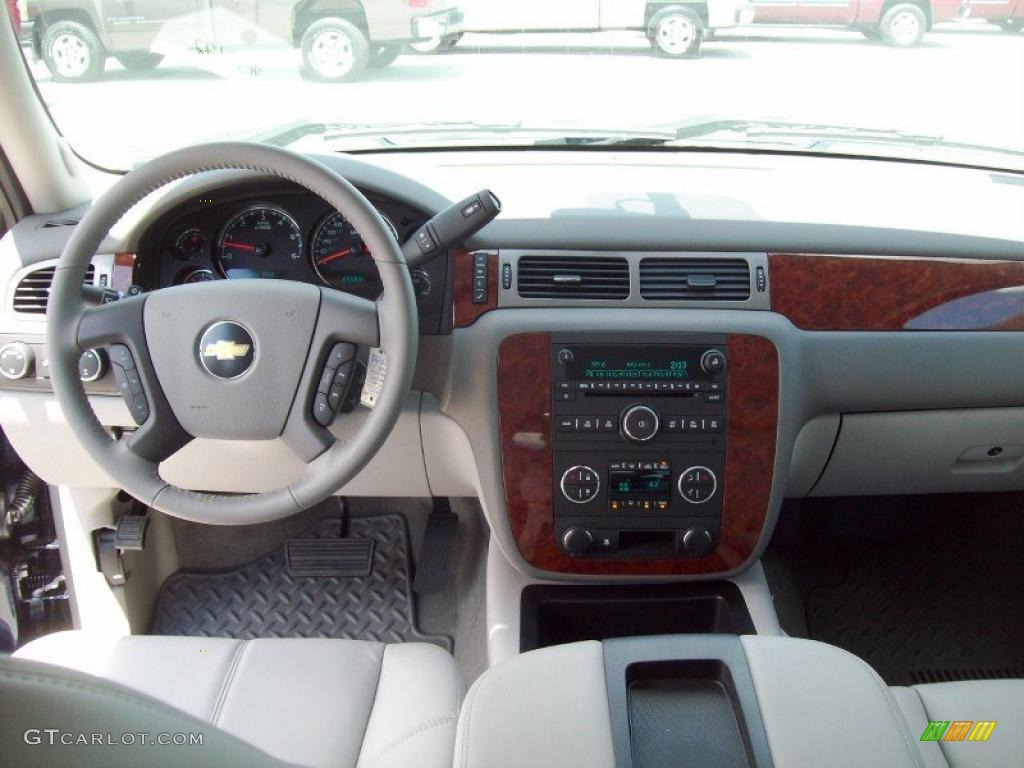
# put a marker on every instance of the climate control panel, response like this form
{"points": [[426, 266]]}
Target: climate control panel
{"points": [[639, 429]]}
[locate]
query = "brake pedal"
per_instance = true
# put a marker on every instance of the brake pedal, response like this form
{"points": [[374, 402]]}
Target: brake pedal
{"points": [[319, 558]]}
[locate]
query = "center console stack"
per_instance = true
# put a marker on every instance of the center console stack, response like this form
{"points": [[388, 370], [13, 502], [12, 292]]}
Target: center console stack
{"points": [[639, 433]]}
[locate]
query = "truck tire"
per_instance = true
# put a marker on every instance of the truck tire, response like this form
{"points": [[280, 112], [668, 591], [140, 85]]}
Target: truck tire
{"points": [[436, 44], [903, 25], [334, 50], [675, 32], [72, 52], [1011, 25], [139, 61], [383, 55]]}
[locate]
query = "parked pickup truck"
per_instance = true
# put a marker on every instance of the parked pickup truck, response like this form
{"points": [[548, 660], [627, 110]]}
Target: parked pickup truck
{"points": [[338, 38], [1007, 14], [897, 22], [675, 28]]}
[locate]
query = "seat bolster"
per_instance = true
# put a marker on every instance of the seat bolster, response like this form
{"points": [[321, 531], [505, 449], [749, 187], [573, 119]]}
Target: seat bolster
{"points": [[40, 702], [415, 710], [186, 673], [1001, 701], [917, 720]]}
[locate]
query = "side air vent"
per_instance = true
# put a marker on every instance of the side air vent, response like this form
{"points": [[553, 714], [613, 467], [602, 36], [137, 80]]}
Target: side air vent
{"points": [[573, 277], [33, 291], [695, 279]]}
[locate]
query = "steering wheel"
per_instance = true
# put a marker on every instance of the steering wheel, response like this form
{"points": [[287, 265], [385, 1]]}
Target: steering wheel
{"points": [[231, 359]]}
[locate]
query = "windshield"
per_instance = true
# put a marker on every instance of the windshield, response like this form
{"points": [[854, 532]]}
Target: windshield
{"points": [[933, 80]]}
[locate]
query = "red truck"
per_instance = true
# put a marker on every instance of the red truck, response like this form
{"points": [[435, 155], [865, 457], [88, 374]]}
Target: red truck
{"points": [[1008, 14], [897, 22]]}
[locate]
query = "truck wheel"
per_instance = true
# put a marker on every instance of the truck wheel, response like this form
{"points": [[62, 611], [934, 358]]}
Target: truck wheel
{"points": [[384, 55], [139, 60], [436, 44], [334, 50], [72, 52], [903, 25], [675, 32], [1011, 25]]}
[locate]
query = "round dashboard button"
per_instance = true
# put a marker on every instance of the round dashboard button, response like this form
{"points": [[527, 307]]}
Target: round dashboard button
{"points": [[640, 423], [697, 484]]}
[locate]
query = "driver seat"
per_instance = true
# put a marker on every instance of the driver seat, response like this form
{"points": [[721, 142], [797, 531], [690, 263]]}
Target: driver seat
{"points": [[257, 703]]}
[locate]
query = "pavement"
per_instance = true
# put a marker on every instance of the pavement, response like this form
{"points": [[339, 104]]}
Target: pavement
{"points": [[964, 82]]}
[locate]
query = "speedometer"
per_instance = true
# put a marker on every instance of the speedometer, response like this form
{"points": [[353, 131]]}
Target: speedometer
{"points": [[261, 241], [342, 259]]}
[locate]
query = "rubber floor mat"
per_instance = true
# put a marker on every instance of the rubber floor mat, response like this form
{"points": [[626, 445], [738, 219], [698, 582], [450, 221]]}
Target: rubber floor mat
{"points": [[934, 604], [262, 599]]}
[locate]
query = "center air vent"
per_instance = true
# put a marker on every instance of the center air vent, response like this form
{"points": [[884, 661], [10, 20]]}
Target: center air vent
{"points": [[573, 277], [695, 279], [33, 290]]}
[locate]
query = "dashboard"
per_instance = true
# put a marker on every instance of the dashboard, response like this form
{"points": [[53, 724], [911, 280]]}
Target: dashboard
{"points": [[270, 230], [563, 374]]}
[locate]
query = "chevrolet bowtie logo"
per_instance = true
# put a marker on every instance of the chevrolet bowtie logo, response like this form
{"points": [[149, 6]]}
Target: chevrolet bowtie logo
{"points": [[226, 350]]}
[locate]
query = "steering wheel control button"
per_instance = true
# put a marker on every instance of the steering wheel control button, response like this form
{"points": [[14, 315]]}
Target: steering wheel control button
{"points": [[226, 350], [322, 410], [580, 484], [16, 360], [139, 408], [92, 365], [121, 356], [341, 353], [697, 484], [639, 423]]}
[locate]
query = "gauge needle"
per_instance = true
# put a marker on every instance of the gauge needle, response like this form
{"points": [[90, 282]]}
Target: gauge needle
{"points": [[243, 246], [336, 255]]}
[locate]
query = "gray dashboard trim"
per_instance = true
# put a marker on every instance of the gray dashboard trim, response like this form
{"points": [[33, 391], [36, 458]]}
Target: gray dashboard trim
{"points": [[821, 374], [601, 232]]}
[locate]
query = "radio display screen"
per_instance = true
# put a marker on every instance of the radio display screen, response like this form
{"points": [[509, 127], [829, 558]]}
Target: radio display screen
{"points": [[662, 363], [647, 484]]}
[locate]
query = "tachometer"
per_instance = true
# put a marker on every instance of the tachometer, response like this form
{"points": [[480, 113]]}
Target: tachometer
{"points": [[261, 241], [341, 258]]}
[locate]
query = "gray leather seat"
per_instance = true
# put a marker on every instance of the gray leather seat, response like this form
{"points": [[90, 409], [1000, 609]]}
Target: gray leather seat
{"points": [[337, 703]]}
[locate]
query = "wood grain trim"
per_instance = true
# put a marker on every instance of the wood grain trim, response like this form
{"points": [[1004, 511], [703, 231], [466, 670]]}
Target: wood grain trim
{"points": [[464, 311], [861, 293], [524, 384]]}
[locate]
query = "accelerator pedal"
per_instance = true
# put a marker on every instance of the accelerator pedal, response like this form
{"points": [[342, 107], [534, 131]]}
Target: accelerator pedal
{"points": [[436, 553]]}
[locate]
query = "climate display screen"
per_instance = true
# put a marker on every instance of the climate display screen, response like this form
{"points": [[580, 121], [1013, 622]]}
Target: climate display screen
{"points": [[650, 484], [634, 362]]}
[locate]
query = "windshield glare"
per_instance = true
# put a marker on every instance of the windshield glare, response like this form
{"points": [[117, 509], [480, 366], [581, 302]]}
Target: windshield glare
{"points": [[936, 80]]}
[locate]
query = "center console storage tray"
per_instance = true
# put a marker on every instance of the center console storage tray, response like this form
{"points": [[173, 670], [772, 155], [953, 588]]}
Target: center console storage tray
{"points": [[556, 614]]}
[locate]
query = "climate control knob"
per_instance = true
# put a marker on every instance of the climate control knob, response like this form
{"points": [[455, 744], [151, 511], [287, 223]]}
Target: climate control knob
{"points": [[696, 541], [712, 362], [640, 423], [577, 540]]}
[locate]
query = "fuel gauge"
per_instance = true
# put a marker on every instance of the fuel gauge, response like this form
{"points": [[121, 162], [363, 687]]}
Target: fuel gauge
{"points": [[190, 245]]}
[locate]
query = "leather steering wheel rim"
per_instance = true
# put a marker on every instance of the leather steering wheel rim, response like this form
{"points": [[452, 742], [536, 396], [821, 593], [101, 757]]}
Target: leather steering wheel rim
{"points": [[329, 316]]}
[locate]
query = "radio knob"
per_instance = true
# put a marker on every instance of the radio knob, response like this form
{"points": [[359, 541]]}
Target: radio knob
{"points": [[712, 362], [577, 540], [696, 541], [639, 423], [16, 360]]}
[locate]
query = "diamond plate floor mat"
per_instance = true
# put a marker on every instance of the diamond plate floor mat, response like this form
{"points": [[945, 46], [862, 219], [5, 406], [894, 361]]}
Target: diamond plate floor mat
{"points": [[262, 599], [935, 603]]}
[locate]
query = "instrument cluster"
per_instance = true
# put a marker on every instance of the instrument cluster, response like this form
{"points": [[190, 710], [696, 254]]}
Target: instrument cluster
{"points": [[269, 233]]}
